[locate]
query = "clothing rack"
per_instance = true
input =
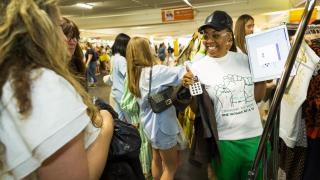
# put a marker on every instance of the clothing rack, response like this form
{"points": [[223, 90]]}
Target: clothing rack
{"points": [[294, 26], [272, 123], [311, 29]]}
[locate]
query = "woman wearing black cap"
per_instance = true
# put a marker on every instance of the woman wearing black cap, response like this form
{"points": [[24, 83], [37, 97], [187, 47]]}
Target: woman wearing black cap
{"points": [[228, 81]]}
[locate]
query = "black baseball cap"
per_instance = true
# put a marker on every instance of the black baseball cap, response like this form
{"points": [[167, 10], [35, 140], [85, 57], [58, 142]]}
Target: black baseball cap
{"points": [[218, 20]]}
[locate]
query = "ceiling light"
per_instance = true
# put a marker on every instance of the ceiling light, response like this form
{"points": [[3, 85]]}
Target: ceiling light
{"points": [[141, 27], [85, 5], [188, 3]]}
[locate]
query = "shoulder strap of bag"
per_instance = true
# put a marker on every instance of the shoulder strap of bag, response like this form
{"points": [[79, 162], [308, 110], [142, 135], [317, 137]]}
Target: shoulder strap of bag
{"points": [[150, 81]]}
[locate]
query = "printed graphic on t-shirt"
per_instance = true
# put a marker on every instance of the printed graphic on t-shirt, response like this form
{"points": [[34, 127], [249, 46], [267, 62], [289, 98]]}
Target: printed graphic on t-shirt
{"points": [[235, 95]]}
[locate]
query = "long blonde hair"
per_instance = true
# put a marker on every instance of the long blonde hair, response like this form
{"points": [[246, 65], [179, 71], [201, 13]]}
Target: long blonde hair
{"points": [[31, 38], [138, 55], [240, 31]]}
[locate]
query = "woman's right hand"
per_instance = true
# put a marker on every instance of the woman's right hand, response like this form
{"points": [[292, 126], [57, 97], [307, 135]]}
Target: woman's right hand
{"points": [[187, 78]]}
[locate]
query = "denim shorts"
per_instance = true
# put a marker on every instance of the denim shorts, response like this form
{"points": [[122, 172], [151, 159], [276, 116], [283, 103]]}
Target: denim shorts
{"points": [[164, 141]]}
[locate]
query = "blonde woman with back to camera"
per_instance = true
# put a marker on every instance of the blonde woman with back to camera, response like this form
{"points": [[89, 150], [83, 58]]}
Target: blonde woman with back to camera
{"points": [[161, 129], [47, 119]]}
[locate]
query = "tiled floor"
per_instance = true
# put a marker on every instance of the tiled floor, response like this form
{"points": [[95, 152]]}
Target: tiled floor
{"points": [[101, 90], [186, 171]]}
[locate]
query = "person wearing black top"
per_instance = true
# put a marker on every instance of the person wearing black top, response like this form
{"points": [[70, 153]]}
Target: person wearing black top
{"points": [[91, 62]]}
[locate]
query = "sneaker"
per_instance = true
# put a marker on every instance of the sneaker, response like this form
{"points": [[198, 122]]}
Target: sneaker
{"points": [[92, 85]]}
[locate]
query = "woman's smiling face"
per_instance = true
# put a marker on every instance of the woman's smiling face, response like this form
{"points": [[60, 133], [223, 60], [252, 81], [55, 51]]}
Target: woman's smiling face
{"points": [[217, 43]]}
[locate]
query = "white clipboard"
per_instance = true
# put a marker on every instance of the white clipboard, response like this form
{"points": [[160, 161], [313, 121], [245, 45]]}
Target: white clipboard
{"points": [[268, 52]]}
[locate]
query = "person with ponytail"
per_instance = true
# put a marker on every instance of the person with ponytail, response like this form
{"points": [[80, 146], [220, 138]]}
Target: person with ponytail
{"points": [[49, 127]]}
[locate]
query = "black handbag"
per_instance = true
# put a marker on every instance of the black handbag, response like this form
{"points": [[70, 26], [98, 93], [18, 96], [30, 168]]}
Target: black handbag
{"points": [[161, 100], [126, 141], [123, 158]]}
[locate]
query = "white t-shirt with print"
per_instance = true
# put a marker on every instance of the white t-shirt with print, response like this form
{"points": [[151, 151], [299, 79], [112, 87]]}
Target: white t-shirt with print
{"points": [[57, 116], [229, 84]]}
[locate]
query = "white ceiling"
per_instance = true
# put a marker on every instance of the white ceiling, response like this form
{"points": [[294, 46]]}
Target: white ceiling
{"points": [[143, 17], [120, 6]]}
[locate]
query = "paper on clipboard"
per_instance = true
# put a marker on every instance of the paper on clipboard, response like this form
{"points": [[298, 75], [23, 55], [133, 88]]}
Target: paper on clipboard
{"points": [[268, 54]]}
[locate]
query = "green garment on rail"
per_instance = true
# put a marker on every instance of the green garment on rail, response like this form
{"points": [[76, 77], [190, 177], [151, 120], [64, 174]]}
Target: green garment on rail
{"points": [[130, 106]]}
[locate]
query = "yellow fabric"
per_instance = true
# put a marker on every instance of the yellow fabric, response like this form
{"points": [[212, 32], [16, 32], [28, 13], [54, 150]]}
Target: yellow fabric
{"points": [[191, 49], [104, 57], [186, 119]]}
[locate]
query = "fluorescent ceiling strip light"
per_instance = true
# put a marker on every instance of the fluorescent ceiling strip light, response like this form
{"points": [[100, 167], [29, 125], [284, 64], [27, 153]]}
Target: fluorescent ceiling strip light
{"points": [[188, 3], [84, 5], [221, 4], [140, 27]]}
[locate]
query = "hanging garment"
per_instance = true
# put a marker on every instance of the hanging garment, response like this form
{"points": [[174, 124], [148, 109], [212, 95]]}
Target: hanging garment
{"points": [[311, 114], [190, 50], [312, 160], [292, 161], [186, 116], [315, 46], [311, 108], [186, 119], [295, 95], [130, 106]]}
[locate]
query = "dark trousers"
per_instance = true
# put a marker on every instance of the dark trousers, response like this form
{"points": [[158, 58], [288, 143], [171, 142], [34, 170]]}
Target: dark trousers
{"points": [[91, 72]]}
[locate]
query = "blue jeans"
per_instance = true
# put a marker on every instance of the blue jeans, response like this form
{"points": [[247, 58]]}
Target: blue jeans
{"points": [[91, 72]]}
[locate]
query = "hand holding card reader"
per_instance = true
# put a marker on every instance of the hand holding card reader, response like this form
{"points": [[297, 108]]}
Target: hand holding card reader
{"points": [[195, 88]]}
